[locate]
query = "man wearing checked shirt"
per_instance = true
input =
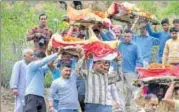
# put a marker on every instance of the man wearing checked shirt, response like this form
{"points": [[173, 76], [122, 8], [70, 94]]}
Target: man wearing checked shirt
{"points": [[96, 83]]}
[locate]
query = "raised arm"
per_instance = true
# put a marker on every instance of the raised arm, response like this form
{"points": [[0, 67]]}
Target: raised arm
{"points": [[115, 76], [139, 97], [80, 67], [155, 41], [44, 61], [152, 33], [169, 96], [169, 93], [70, 31]]}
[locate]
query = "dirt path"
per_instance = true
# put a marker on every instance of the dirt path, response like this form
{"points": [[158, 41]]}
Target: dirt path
{"points": [[7, 100]]}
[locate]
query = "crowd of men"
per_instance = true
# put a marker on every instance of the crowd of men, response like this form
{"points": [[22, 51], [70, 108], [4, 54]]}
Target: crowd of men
{"points": [[98, 84]]}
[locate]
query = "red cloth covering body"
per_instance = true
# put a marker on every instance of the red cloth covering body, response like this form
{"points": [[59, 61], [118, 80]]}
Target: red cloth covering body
{"points": [[144, 72], [96, 48]]}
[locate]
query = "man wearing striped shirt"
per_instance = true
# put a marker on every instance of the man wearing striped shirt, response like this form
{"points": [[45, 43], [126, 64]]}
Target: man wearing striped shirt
{"points": [[97, 81]]}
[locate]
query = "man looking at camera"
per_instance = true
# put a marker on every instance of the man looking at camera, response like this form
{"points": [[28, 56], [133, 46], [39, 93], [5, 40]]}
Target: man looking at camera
{"points": [[40, 34]]}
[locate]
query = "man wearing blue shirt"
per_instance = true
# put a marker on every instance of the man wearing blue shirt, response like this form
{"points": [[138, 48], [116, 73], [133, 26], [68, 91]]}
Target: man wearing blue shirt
{"points": [[56, 73], [145, 43], [34, 93], [66, 89], [131, 57], [163, 36]]}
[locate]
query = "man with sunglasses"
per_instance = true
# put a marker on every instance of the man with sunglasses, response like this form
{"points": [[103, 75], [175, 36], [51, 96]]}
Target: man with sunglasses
{"points": [[171, 50]]}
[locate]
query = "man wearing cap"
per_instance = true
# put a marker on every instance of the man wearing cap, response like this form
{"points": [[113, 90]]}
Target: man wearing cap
{"points": [[17, 82], [163, 36], [36, 70], [97, 81], [171, 50], [131, 57], [145, 43]]}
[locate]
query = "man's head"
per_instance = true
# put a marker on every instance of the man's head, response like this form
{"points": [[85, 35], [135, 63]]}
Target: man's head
{"points": [[160, 93], [176, 23], [117, 30], [127, 36], [106, 66], [97, 29], [143, 31], [173, 33], [43, 19], [28, 55], [98, 66], [66, 56], [151, 103], [97, 33], [165, 24], [39, 55], [66, 71], [129, 26]]}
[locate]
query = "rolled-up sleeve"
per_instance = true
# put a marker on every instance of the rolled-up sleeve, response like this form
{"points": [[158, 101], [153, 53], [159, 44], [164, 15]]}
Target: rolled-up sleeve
{"points": [[114, 93], [44, 61]]}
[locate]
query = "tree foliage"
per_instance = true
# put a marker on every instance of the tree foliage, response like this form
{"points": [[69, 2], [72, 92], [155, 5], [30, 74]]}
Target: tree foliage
{"points": [[17, 18]]}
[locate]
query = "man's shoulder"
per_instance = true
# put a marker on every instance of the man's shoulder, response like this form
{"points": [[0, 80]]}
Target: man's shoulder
{"points": [[56, 81], [31, 64], [134, 44], [19, 62], [49, 29], [168, 41], [35, 27]]}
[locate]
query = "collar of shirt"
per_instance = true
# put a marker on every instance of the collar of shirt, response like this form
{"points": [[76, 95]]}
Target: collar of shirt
{"points": [[143, 36], [127, 43], [43, 27], [97, 73]]}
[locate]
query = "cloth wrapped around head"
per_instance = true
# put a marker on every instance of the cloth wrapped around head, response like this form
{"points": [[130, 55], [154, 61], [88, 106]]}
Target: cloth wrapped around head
{"points": [[108, 57]]}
